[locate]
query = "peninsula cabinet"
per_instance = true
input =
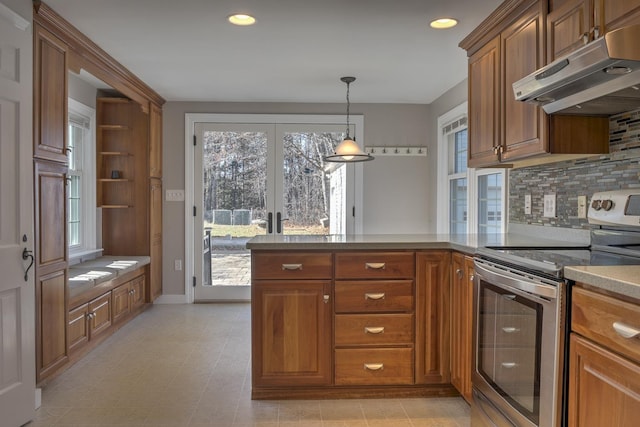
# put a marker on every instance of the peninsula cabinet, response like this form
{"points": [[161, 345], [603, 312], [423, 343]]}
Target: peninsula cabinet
{"points": [[507, 46], [604, 360], [432, 317], [573, 23], [291, 319], [461, 322]]}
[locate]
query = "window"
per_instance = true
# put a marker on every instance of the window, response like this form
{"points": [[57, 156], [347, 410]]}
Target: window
{"points": [[81, 191], [469, 200]]}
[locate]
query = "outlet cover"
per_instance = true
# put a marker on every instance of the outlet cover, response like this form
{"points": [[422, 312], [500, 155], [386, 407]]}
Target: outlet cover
{"points": [[549, 206], [174, 196], [527, 204], [582, 207], [177, 265]]}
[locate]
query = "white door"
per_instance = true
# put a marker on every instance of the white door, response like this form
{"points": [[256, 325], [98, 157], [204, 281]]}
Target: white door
{"points": [[17, 311], [262, 178]]}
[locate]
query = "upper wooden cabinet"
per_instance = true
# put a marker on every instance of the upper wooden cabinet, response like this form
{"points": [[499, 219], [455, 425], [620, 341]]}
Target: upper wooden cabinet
{"points": [[507, 46], [50, 97], [573, 23]]}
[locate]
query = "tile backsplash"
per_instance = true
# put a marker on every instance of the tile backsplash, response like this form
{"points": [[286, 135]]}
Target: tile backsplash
{"points": [[567, 180]]}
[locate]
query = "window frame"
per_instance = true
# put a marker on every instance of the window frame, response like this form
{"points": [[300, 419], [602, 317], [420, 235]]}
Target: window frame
{"points": [[472, 175], [88, 210]]}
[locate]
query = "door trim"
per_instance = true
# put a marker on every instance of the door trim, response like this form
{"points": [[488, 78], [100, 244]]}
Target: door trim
{"points": [[192, 118]]}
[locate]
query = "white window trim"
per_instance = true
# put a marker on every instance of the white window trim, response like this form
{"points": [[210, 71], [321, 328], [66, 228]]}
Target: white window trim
{"points": [[442, 223], [88, 194]]}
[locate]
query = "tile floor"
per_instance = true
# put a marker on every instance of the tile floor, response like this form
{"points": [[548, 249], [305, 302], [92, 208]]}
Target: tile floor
{"points": [[189, 365]]}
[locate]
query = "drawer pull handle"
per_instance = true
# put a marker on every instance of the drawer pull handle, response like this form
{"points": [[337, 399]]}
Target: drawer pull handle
{"points": [[374, 329], [374, 296], [374, 265], [292, 267], [509, 365], [510, 329], [626, 331], [374, 366]]}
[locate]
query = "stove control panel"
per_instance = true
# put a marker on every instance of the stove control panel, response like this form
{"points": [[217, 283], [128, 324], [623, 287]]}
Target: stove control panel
{"points": [[618, 207]]}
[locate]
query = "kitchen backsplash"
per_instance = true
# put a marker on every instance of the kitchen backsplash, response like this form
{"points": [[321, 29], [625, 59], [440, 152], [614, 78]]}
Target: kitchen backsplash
{"points": [[618, 170]]}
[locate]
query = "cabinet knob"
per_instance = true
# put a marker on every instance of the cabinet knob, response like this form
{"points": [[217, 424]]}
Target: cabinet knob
{"points": [[325, 298], [472, 277], [585, 38], [459, 272]]}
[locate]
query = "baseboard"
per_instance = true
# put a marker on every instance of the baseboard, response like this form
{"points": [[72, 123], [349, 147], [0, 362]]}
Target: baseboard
{"points": [[171, 299]]}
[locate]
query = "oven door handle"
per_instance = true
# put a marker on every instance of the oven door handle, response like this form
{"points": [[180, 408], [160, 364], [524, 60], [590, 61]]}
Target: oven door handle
{"points": [[504, 279]]}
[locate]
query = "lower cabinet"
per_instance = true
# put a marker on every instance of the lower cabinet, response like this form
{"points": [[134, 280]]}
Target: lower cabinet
{"points": [[461, 322]]}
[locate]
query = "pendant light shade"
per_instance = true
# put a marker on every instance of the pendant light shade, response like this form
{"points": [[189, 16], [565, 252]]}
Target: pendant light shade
{"points": [[348, 150]]}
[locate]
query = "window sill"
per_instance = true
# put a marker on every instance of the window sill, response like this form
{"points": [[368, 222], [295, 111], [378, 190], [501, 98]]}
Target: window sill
{"points": [[83, 255]]}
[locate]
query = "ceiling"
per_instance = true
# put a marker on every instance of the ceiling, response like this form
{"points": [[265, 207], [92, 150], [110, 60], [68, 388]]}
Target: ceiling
{"points": [[296, 52]]}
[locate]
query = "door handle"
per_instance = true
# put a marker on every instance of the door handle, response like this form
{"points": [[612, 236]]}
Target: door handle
{"points": [[270, 222], [26, 254], [279, 221]]}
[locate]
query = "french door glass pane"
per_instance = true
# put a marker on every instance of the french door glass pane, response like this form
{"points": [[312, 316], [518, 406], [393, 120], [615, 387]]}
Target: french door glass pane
{"points": [[490, 203], [234, 173], [314, 194], [458, 206]]}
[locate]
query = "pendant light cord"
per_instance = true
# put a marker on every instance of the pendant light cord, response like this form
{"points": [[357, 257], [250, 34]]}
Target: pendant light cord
{"points": [[348, 105]]}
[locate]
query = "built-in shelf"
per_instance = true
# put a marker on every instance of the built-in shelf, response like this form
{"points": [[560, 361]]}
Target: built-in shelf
{"points": [[113, 127], [113, 180], [114, 153], [115, 206]]}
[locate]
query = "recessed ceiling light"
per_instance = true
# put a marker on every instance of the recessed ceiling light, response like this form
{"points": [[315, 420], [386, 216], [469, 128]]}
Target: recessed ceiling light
{"points": [[442, 23], [242, 19]]}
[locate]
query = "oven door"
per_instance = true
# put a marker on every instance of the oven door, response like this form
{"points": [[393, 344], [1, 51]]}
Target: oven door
{"points": [[518, 344]]}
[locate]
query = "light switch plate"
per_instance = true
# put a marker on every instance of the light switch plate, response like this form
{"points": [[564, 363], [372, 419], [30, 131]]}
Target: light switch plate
{"points": [[527, 204], [549, 206], [174, 196]]}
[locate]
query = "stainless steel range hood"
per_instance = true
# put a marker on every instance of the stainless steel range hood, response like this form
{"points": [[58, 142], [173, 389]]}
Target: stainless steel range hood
{"points": [[601, 78]]}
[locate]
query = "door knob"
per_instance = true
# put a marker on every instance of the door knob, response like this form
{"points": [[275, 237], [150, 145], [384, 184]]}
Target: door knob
{"points": [[26, 254]]}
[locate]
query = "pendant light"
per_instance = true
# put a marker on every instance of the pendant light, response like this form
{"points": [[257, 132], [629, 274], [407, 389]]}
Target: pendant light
{"points": [[348, 150]]}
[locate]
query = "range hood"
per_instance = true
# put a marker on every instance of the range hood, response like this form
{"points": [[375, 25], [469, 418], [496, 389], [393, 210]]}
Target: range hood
{"points": [[599, 79]]}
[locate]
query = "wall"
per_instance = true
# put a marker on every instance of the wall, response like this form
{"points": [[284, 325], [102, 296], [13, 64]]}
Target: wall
{"points": [[396, 189], [568, 180], [81, 91]]}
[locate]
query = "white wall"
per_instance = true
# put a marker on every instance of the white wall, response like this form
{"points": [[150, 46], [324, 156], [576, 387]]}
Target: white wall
{"points": [[396, 189]]}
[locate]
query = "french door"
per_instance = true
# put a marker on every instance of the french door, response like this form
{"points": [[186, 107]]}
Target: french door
{"points": [[262, 178]]}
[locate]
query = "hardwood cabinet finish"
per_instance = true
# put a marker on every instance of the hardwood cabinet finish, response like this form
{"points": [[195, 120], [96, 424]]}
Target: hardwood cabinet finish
{"points": [[121, 302], [374, 329], [375, 265], [52, 352], [569, 25], [50, 96], [78, 328], [461, 323], [484, 105], [506, 47], [604, 360], [155, 251], [292, 265], [360, 296], [291, 332], [374, 366], [612, 14], [432, 317], [100, 315], [138, 295]]}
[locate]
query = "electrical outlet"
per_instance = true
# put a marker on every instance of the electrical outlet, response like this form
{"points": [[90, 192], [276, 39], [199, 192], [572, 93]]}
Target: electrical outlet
{"points": [[582, 206], [177, 265], [527, 204], [549, 206], [174, 196]]}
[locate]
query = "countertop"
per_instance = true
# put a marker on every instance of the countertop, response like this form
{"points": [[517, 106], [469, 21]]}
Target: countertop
{"points": [[623, 280], [461, 242]]}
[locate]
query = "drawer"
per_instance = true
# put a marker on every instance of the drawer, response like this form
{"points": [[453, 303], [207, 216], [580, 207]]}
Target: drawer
{"points": [[369, 329], [374, 366], [373, 296], [594, 315], [291, 265], [373, 265]]}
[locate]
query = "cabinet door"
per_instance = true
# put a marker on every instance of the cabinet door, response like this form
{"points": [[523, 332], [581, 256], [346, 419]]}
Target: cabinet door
{"points": [[568, 27], [78, 329], [51, 328], [121, 302], [155, 229], [137, 292], [50, 97], [484, 101], [291, 332], [432, 317], [51, 216], [461, 323], [99, 315], [155, 141], [604, 388], [525, 126], [612, 14]]}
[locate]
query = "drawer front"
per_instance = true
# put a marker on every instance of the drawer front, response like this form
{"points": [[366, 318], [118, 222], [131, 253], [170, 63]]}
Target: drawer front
{"points": [[605, 320], [368, 329], [373, 296], [291, 265], [377, 366], [373, 265], [77, 331]]}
